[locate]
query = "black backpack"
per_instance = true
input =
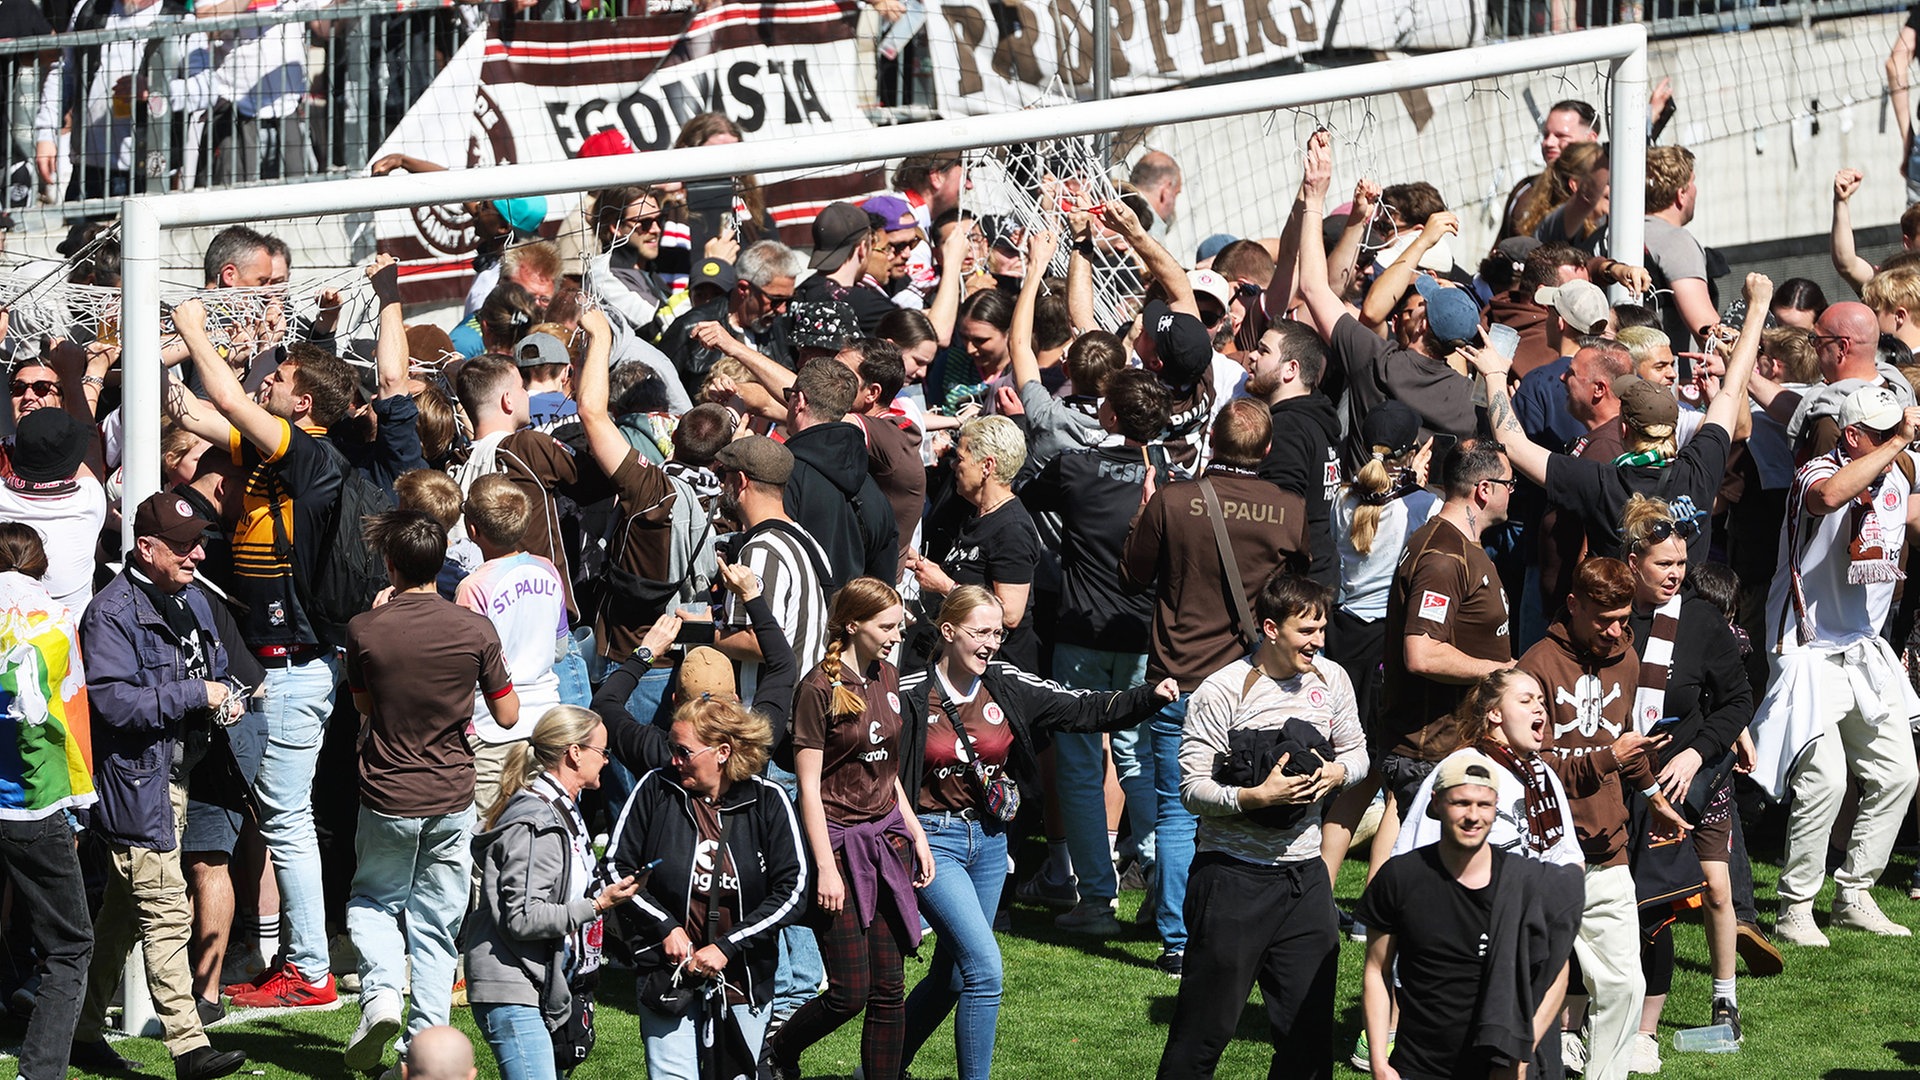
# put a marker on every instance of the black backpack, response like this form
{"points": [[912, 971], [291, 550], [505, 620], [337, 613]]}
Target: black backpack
{"points": [[349, 573]]}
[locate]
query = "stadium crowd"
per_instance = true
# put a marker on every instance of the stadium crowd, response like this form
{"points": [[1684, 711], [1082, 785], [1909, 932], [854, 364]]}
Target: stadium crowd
{"points": [[729, 613]]}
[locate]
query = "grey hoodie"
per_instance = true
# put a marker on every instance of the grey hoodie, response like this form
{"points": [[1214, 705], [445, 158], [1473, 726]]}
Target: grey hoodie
{"points": [[515, 938]]}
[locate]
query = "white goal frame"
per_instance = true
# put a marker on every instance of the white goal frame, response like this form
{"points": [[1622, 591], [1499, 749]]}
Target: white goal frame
{"points": [[143, 218]]}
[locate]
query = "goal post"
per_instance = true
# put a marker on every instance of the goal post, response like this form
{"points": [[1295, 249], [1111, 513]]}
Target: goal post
{"points": [[143, 219]]}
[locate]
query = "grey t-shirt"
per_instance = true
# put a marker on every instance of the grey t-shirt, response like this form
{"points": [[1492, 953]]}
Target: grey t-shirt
{"points": [[1674, 255]]}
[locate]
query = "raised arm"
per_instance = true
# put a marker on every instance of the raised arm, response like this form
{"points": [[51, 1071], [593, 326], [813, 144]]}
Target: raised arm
{"points": [[945, 309], [1080, 272], [1160, 262], [224, 392], [1026, 366], [1899, 78], [1344, 263], [610, 448], [1284, 286], [1826, 496], [1730, 404], [390, 348], [1324, 306], [1392, 283], [1856, 270], [1529, 458]]}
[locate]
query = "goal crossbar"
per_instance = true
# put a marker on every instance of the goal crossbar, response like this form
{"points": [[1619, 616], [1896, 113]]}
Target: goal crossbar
{"points": [[144, 218]]}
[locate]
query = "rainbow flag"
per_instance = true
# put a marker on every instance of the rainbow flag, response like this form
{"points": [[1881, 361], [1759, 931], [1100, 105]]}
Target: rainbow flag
{"points": [[46, 743]]}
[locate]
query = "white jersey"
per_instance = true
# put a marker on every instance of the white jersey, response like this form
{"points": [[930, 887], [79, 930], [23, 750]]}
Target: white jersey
{"points": [[1838, 601], [525, 600]]}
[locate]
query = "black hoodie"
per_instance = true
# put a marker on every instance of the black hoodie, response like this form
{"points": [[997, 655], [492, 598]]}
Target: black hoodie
{"points": [[1305, 459], [831, 495]]}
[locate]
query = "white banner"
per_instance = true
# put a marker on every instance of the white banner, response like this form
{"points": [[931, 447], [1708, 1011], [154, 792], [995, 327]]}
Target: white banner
{"points": [[776, 69]]}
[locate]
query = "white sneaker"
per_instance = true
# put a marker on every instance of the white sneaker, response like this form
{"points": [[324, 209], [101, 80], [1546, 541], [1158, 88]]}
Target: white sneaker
{"points": [[379, 1022], [1573, 1052], [1645, 1056], [1795, 926], [1854, 909]]}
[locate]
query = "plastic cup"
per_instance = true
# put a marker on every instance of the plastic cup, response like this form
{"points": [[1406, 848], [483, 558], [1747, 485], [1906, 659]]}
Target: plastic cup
{"points": [[1503, 339]]}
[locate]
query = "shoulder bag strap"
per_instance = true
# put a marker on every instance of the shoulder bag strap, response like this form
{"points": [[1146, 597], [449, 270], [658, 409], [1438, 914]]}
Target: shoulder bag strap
{"points": [[1249, 630]]}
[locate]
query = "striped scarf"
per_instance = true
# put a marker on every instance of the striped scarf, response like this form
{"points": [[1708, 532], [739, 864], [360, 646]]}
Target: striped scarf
{"points": [[1546, 824], [1650, 700]]}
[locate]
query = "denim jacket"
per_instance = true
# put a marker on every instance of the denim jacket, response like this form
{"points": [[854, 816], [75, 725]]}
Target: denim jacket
{"points": [[141, 698]]}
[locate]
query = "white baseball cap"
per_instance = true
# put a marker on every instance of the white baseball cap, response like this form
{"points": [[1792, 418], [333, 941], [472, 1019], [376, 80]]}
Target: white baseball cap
{"points": [[1872, 407], [1212, 284]]}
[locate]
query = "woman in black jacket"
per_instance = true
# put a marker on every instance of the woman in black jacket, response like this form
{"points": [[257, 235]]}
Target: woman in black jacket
{"points": [[729, 875], [1709, 701], [972, 726]]}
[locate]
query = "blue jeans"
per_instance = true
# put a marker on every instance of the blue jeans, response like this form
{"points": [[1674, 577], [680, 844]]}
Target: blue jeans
{"points": [[797, 980], [970, 867], [1174, 825], [1080, 768], [299, 699], [673, 1043], [519, 1038], [419, 868], [576, 684]]}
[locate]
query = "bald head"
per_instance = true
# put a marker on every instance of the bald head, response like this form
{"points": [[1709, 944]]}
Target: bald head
{"points": [[440, 1053], [1852, 358]]}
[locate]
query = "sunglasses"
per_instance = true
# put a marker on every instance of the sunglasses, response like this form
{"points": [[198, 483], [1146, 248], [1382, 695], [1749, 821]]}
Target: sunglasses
{"points": [[39, 387], [681, 753], [1685, 529], [642, 224], [1247, 289], [903, 247]]}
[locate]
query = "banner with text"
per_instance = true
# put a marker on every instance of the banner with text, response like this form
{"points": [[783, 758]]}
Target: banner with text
{"points": [[778, 68]]}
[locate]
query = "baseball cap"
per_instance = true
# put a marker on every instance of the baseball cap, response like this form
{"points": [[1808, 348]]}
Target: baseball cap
{"points": [[1181, 341], [822, 324], [1208, 283], [718, 273], [1516, 248], [1580, 304], [1870, 407], [1462, 768], [706, 672], [1394, 425], [1213, 245], [835, 233], [48, 445], [893, 210], [606, 143], [1644, 405], [523, 216], [759, 458], [540, 348], [169, 517], [1452, 314]]}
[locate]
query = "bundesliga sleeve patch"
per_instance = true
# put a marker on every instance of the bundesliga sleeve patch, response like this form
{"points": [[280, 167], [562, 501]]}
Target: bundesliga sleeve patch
{"points": [[1435, 606]]}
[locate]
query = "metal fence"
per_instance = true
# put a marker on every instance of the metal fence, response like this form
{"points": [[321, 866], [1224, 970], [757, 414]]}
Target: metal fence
{"points": [[1510, 19]]}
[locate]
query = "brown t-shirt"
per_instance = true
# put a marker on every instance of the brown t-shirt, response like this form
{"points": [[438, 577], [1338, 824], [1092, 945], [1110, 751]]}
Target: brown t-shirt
{"points": [[1172, 551], [540, 465], [418, 657], [700, 898], [641, 545], [893, 459], [860, 754], [948, 783], [1447, 589]]}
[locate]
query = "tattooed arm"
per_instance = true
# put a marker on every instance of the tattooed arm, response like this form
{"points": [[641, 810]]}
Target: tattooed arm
{"points": [[1529, 458]]}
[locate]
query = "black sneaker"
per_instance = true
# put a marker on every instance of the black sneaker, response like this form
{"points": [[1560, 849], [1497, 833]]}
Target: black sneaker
{"points": [[206, 1063], [1726, 1012], [95, 1056], [211, 1012], [1171, 961]]}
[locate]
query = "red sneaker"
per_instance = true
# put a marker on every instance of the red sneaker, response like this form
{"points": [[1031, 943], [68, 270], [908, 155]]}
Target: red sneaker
{"points": [[287, 988]]}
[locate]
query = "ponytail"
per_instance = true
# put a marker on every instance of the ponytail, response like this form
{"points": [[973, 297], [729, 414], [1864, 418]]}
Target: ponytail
{"points": [[559, 728], [1372, 479]]}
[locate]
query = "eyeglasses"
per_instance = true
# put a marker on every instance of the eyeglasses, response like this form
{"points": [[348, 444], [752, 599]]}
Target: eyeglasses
{"points": [[642, 224], [40, 387], [1685, 529], [681, 753], [996, 635], [1824, 339], [1509, 483], [774, 300], [601, 750]]}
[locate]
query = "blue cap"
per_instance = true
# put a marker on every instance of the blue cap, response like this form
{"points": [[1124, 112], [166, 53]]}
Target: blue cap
{"points": [[892, 209], [1452, 314], [523, 216], [1213, 245]]}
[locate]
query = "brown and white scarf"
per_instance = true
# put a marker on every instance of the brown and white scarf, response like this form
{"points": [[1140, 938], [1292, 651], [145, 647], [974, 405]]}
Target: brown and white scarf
{"points": [[1546, 823], [1650, 700], [1870, 551]]}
